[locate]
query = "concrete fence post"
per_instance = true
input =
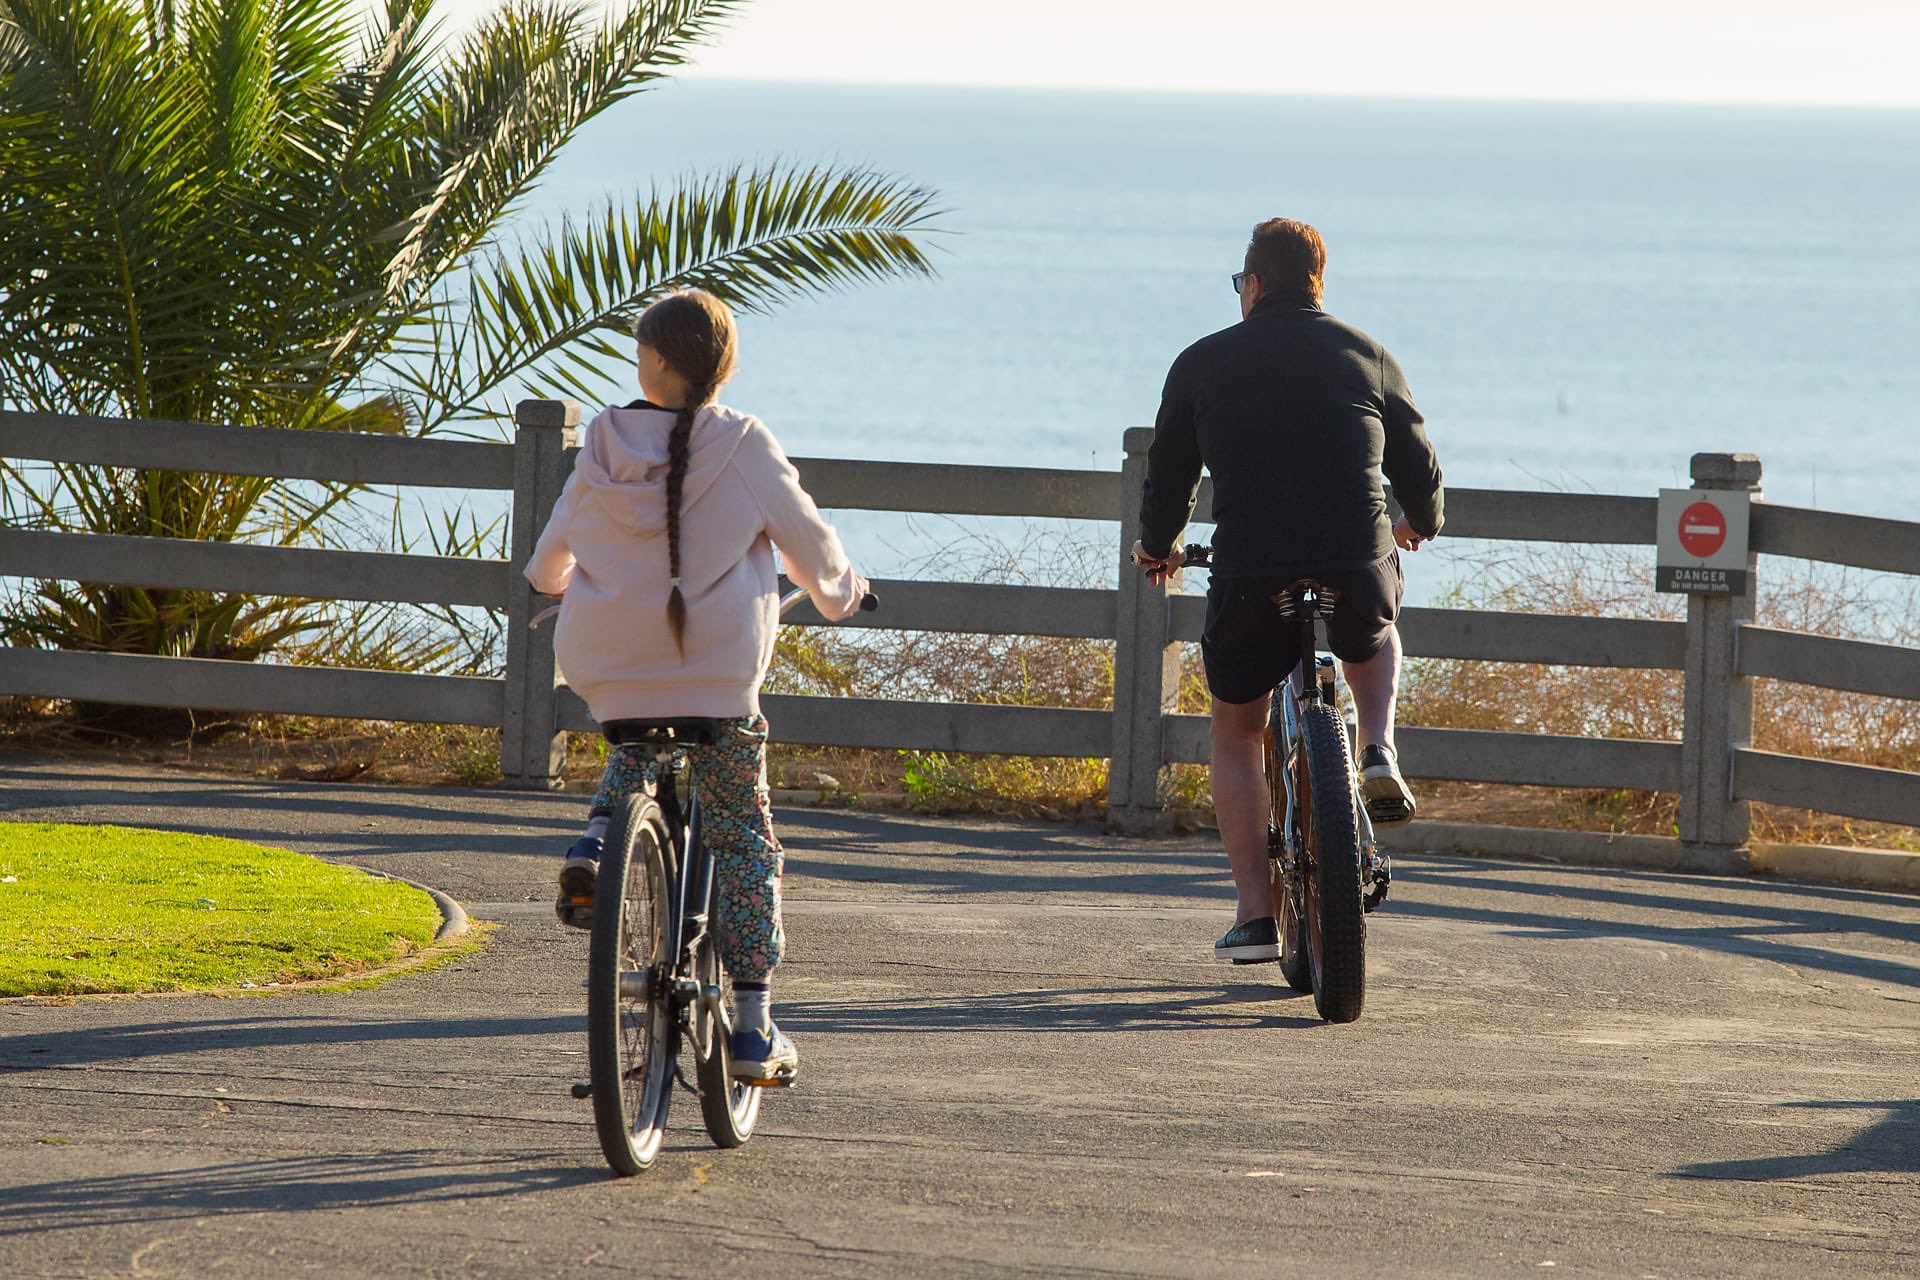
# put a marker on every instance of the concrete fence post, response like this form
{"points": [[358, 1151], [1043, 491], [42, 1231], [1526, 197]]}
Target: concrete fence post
{"points": [[1714, 827], [531, 746], [1146, 667]]}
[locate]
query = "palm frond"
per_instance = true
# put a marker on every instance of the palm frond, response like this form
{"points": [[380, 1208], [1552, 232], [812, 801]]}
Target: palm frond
{"points": [[94, 123], [284, 211], [526, 81], [752, 237]]}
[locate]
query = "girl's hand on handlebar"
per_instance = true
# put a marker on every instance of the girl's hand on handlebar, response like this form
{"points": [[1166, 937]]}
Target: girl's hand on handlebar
{"points": [[1158, 569]]}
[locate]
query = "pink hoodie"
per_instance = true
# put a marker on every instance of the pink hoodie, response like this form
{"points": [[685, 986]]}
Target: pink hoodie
{"points": [[606, 549]]}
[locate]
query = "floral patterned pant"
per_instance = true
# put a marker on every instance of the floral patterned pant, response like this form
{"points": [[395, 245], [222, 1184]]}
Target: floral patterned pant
{"points": [[736, 826]]}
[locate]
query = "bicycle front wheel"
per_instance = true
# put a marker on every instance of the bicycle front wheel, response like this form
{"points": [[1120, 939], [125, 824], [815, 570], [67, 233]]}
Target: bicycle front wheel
{"points": [[632, 1034], [728, 1106], [1335, 916]]}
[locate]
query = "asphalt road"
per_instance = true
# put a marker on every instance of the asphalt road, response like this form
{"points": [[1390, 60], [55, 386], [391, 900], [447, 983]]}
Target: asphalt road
{"points": [[1018, 1058]]}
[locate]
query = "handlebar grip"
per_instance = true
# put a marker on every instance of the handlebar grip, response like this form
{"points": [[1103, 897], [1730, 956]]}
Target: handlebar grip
{"points": [[869, 602]]}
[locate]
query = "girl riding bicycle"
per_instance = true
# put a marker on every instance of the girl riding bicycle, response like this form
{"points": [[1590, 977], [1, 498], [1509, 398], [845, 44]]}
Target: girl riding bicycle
{"points": [[661, 547]]}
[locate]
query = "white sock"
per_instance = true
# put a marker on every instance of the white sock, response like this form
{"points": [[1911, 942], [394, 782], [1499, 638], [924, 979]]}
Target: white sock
{"points": [[751, 1006], [597, 826]]}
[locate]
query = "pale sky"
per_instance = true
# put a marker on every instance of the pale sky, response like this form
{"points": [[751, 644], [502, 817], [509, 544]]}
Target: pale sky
{"points": [[1858, 52]]}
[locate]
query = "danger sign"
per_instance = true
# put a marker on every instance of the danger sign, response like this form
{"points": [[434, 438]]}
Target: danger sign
{"points": [[1703, 541], [1703, 530]]}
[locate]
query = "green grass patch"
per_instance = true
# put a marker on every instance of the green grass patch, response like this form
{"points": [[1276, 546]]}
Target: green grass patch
{"points": [[92, 910]]}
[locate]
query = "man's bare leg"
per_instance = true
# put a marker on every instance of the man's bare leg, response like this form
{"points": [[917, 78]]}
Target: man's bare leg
{"points": [[1375, 685], [1240, 800]]}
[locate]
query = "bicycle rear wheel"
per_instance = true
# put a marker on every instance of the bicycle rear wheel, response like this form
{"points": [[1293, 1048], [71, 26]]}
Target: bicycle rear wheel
{"points": [[728, 1106], [1336, 922], [632, 1034], [1294, 966]]}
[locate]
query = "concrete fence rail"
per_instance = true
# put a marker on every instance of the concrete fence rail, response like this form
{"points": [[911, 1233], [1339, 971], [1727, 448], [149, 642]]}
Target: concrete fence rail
{"points": [[1714, 768]]}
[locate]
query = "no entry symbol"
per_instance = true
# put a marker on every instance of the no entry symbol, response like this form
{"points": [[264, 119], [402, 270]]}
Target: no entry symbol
{"points": [[1703, 529]]}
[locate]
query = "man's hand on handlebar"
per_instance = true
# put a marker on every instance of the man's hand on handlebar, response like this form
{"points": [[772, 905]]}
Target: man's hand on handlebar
{"points": [[1405, 538], [1158, 569]]}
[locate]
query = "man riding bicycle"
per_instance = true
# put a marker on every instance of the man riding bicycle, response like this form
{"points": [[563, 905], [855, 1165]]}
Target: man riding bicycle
{"points": [[1296, 415]]}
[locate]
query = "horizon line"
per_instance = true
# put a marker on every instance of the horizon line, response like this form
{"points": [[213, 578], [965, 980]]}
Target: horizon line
{"points": [[693, 72]]}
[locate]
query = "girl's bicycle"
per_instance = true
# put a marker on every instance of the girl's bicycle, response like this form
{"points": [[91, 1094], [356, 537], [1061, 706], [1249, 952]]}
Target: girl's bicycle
{"points": [[654, 976], [1326, 868]]}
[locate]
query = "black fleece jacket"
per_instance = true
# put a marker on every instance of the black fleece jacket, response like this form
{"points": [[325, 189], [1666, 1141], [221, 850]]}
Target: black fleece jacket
{"points": [[1296, 415]]}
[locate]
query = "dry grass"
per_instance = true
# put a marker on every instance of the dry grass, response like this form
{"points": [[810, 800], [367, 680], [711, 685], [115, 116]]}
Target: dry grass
{"points": [[292, 748], [1618, 582]]}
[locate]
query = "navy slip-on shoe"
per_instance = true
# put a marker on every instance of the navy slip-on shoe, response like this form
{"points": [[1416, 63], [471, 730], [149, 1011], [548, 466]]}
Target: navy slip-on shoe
{"points": [[1250, 943]]}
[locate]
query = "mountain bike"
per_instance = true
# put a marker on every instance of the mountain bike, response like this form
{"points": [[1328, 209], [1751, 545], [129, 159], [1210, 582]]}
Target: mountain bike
{"points": [[1325, 867], [655, 980]]}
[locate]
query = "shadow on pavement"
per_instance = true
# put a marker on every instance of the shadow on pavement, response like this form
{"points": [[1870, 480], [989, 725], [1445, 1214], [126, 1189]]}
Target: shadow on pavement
{"points": [[252, 804], [1759, 929], [278, 1185], [1060, 1009], [980, 861], [1891, 1146], [77, 1046]]}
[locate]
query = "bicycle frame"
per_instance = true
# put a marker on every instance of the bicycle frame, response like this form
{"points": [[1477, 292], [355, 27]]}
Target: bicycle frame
{"points": [[1296, 691], [692, 890]]}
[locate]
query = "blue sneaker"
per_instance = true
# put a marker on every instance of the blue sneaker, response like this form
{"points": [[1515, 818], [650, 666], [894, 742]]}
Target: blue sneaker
{"points": [[763, 1057], [577, 876]]}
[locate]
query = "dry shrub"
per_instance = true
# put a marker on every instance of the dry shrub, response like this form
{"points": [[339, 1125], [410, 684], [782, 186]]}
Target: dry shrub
{"points": [[927, 666], [1586, 581], [1604, 581], [294, 748]]}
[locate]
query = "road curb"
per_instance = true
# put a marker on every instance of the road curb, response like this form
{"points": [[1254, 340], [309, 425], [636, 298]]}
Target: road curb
{"points": [[453, 916], [1839, 864], [1817, 864]]}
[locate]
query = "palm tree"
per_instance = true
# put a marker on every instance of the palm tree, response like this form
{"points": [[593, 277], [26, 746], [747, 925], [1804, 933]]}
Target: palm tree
{"points": [[287, 213]]}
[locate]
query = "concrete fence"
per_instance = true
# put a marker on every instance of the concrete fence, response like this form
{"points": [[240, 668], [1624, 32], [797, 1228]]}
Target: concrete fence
{"points": [[1713, 768]]}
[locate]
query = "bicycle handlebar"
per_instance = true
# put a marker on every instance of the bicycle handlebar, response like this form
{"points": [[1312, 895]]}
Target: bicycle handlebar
{"points": [[1192, 556]]}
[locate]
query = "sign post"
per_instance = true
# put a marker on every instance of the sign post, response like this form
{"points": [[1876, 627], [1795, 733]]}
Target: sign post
{"points": [[1703, 551]]}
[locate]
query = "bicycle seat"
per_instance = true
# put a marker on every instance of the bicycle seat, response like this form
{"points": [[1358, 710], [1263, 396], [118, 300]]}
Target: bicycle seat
{"points": [[1308, 597], [679, 731]]}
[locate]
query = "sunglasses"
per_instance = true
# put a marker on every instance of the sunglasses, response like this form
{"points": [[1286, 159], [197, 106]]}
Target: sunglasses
{"points": [[1240, 281]]}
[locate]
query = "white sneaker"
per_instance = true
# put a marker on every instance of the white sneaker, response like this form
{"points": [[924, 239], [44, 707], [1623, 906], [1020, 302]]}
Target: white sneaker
{"points": [[763, 1057], [1382, 789]]}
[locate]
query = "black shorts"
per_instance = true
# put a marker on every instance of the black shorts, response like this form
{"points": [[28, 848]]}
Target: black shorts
{"points": [[1249, 648]]}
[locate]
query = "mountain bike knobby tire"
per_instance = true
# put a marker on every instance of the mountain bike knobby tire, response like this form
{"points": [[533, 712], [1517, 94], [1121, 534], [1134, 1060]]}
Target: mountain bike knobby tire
{"points": [[1336, 919], [632, 1034], [728, 1106], [1294, 965]]}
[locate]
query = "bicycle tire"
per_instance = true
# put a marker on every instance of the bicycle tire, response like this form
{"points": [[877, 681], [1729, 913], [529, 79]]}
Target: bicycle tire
{"points": [[728, 1106], [1294, 964], [1336, 918], [632, 1038]]}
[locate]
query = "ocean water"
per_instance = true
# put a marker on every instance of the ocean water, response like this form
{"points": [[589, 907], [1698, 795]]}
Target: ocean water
{"points": [[1582, 295]]}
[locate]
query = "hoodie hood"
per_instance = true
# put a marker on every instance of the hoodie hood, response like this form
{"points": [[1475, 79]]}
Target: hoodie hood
{"points": [[623, 463]]}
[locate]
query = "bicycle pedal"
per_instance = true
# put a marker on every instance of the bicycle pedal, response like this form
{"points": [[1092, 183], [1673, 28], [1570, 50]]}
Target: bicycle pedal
{"points": [[1388, 811], [773, 1082], [575, 913]]}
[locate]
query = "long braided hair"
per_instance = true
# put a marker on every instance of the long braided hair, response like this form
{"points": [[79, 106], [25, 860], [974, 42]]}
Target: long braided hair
{"points": [[693, 332]]}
